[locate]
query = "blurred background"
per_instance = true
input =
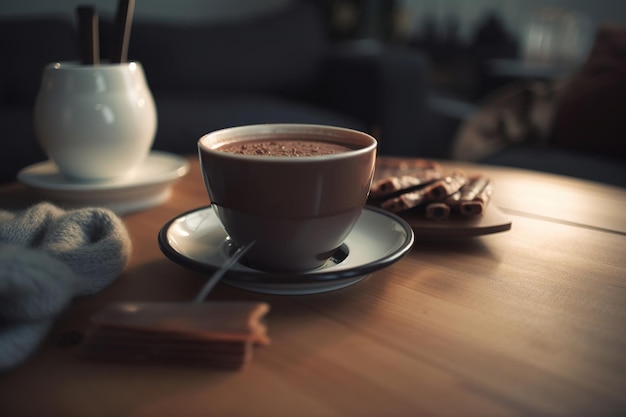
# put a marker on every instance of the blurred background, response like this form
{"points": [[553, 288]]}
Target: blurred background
{"points": [[440, 66], [458, 35]]}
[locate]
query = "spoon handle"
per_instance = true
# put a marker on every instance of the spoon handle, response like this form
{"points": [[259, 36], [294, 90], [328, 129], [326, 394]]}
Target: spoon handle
{"points": [[123, 23], [89, 43], [217, 275]]}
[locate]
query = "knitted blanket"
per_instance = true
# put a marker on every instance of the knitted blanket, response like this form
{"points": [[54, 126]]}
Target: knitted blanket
{"points": [[48, 256]]}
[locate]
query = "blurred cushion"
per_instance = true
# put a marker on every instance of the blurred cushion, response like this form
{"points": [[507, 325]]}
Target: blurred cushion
{"points": [[591, 114], [521, 112]]}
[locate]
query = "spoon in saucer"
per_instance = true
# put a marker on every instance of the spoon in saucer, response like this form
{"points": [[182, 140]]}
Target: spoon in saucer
{"points": [[217, 275], [217, 333]]}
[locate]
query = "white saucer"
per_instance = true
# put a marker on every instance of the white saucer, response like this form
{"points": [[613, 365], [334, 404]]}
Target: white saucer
{"points": [[149, 186], [197, 240]]}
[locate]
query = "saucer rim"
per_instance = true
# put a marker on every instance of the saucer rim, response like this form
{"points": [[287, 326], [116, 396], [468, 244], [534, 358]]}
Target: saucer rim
{"points": [[318, 276], [178, 170]]}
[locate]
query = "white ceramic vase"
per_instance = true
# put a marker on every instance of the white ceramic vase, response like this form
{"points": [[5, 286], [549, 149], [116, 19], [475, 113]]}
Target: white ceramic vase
{"points": [[96, 122]]}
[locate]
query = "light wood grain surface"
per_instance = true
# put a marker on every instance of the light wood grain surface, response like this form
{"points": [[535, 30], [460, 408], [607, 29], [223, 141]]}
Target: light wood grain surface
{"points": [[528, 322]]}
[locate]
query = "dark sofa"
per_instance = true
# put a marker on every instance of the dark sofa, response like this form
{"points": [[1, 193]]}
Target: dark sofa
{"points": [[270, 68]]}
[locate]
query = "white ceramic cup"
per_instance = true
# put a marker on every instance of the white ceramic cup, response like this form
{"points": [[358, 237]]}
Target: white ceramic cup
{"points": [[96, 122]]}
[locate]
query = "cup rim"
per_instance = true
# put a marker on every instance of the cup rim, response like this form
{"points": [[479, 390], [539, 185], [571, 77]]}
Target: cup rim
{"points": [[259, 130]]}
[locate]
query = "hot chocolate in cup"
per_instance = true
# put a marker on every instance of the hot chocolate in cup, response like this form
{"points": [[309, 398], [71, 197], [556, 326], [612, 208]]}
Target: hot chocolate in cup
{"points": [[296, 190]]}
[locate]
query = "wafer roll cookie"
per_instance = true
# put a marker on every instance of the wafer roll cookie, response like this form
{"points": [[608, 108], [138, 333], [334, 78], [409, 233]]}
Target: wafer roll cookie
{"points": [[470, 199], [445, 187], [404, 202], [391, 185], [477, 205], [403, 178], [430, 193], [468, 192], [437, 211]]}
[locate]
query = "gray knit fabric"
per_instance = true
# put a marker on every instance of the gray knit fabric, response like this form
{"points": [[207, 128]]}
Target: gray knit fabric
{"points": [[47, 257]]}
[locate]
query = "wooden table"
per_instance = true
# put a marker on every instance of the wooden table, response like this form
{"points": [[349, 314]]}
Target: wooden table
{"points": [[528, 322]]}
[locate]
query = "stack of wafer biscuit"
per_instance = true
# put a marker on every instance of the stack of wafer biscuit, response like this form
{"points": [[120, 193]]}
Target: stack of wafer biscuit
{"points": [[423, 186], [216, 334]]}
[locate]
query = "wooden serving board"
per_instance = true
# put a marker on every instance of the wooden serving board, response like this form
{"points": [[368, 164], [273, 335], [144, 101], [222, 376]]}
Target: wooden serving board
{"points": [[491, 221]]}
